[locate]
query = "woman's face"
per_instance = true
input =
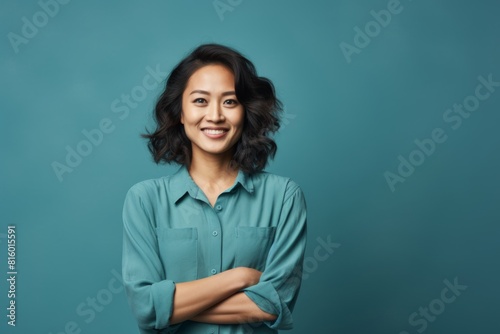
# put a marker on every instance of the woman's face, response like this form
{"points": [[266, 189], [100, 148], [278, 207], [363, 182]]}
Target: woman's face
{"points": [[211, 114]]}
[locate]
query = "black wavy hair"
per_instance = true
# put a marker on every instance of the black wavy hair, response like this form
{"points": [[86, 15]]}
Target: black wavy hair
{"points": [[169, 143]]}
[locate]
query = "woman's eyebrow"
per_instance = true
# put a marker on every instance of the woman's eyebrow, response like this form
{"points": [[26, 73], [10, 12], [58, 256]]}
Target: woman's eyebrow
{"points": [[199, 91]]}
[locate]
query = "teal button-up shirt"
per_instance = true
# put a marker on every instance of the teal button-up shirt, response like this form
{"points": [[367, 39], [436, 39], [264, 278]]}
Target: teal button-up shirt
{"points": [[172, 234]]}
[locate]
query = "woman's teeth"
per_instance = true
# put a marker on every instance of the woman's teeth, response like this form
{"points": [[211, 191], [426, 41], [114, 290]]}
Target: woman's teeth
{"points": [[214, 132]]}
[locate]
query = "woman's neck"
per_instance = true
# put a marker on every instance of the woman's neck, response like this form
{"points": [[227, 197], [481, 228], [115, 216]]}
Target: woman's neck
{"points": [[212, 173]]}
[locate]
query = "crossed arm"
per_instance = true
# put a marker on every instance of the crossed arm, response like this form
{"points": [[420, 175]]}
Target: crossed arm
{"points": [[217, 299], [157, 302]]}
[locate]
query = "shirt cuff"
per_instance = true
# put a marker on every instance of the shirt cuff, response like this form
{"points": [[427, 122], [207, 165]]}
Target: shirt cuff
{"points": [[163, 301], [265, 296]]}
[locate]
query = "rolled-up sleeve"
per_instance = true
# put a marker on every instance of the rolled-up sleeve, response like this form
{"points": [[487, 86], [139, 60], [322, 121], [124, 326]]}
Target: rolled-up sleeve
{"points": [[149, 294], [279, 285]]}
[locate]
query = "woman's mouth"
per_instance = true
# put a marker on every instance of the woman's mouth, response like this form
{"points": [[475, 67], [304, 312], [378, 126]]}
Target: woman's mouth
{"points": [[215, 133]]}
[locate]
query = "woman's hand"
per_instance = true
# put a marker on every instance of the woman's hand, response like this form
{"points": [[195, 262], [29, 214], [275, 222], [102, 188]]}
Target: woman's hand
{"points": [[237, 308], [194, 297]]}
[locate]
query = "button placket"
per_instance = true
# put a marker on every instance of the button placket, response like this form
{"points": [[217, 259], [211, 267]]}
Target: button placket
{"points": [[214, 264]]}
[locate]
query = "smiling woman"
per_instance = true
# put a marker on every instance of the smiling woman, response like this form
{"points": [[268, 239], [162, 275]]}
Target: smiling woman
{"points": [[216, 246], [212, 116]]}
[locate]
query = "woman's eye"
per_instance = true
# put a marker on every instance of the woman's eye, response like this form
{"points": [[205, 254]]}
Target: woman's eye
{"points": [[231, 102], [200, 100]]}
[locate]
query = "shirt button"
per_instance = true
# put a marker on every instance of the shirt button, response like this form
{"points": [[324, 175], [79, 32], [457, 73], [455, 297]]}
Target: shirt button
{"points": [[214, 233], [218, 207], [213, 271]]}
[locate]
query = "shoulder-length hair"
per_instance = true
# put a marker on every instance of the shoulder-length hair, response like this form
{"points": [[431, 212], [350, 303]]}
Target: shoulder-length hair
{"points": [[169, 143]]}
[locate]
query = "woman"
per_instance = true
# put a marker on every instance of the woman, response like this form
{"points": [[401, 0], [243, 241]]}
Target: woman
{"points": [[218, 246]]}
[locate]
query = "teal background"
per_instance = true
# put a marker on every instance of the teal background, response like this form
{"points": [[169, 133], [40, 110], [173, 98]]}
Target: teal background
{"points": [[345, 126]]}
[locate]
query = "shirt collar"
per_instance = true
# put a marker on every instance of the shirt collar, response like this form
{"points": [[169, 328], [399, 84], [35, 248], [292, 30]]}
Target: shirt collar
{"points": [[182, 183]]}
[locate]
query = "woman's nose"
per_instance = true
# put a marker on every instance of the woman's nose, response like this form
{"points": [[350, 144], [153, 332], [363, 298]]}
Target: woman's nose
{"points": [[214, 113]]}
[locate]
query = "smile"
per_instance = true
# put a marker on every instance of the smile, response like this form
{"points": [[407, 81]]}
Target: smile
{"points": [[214, 131]]}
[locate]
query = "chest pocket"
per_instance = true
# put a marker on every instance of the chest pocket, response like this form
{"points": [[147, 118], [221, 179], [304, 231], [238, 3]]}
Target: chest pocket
{"points": [[252, 246], [178, 248]]}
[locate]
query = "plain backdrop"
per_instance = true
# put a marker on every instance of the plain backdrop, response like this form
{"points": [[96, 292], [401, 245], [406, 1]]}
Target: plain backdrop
{"points": [[362, 83]]}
